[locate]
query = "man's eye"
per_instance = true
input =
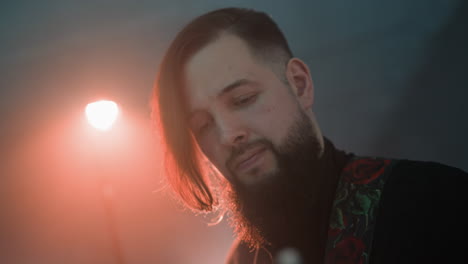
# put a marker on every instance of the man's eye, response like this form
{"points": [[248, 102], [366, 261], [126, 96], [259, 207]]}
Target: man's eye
{"points": [[243, 100], [202, 128]]}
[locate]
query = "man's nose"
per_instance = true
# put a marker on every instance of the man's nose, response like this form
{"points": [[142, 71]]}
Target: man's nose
{"points": [[232, 132]]}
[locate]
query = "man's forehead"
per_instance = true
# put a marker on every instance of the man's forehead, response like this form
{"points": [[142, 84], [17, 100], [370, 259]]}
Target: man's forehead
{"points": [[216, 66]]}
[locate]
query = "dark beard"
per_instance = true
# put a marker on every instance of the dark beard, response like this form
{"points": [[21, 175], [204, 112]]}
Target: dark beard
{"points": [[279, 211]]}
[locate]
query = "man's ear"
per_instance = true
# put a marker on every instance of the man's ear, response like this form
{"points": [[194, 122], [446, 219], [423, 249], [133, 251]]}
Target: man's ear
{"points": [[299, 78]]}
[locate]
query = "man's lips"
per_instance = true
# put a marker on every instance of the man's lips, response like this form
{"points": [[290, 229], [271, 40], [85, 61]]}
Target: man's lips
{"points": [[248, 158]]}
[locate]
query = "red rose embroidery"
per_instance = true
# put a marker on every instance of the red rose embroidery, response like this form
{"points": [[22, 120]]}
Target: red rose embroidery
{"points": [[364, 171], [332, 232], [348, 251]]}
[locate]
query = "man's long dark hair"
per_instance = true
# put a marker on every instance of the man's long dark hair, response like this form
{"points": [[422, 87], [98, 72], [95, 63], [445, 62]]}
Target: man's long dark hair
{"points": [[184, 164]]}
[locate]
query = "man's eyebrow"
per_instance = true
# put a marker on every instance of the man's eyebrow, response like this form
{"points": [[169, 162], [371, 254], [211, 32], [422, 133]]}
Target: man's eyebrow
{"points": [[233, 86], [224, 91]]}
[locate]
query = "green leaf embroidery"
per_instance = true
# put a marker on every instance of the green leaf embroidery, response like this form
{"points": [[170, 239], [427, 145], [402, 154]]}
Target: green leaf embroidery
{"points": [[364, 200]]}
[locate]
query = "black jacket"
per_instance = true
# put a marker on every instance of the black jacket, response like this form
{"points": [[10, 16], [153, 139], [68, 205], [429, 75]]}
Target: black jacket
{"points": [[420, 219]]}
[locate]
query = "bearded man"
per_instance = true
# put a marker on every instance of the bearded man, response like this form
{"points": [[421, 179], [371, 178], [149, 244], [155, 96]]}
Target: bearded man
{"points": [[235, 110]]}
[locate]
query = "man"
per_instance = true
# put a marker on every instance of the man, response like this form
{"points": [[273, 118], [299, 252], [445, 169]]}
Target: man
{"points": [[235, 110]]}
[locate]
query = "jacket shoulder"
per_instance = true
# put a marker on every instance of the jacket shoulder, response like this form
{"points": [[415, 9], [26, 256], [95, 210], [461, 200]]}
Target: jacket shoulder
{"points": [[421, 215]]}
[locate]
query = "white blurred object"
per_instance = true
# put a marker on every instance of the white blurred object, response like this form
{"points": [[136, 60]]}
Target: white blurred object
{"points": [[102, 114], [289, 256]]}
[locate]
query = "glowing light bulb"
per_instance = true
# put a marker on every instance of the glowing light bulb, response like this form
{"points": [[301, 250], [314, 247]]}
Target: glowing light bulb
{"points": [[102, 114]]}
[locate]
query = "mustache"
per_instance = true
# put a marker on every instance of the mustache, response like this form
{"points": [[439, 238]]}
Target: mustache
{"points": [[241, 149]]}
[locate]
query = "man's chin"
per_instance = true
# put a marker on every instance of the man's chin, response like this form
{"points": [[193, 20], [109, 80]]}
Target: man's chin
{"points": [[256, 178], [269, 211], [262, 172]]}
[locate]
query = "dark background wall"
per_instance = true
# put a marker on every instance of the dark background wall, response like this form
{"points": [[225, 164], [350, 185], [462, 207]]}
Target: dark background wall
{"points": [[390, 80]]}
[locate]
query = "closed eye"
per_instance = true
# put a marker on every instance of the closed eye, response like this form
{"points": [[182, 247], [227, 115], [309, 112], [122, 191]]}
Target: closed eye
{"points": [[244, 100], [199, 122], [203, 127]]}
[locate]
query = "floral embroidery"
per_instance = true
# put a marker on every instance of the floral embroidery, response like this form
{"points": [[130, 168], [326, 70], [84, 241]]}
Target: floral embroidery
{"points": [[354, 210], [349, 250]]}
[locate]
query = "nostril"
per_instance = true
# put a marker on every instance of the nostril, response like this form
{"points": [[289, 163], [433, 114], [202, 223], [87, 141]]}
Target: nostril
{"points": [[239, 138]]}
